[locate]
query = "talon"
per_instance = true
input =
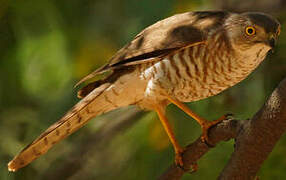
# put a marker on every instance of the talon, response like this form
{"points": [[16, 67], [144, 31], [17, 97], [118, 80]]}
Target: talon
{"points": [[207, 125], [194, 168], [205, 136], [179, 159], [179, 162]]}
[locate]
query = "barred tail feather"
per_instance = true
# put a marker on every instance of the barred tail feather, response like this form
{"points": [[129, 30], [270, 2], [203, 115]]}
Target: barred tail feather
{"points": [[91, 106]]}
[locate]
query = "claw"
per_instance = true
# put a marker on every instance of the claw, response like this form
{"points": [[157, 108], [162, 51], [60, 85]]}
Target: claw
{"points": [[179, 162], [178, 158], [208, 124], [194, 168], [205, 130]]}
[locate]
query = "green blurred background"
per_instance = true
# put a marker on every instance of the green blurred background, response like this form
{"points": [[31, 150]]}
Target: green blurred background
{"points": [[47, 45]]}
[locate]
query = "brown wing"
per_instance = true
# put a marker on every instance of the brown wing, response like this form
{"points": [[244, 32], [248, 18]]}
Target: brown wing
{"points": [[163, 37]]}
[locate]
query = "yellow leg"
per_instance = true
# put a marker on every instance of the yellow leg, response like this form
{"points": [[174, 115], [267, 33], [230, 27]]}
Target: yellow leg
{"points": [[205, 125], [178, 150]]}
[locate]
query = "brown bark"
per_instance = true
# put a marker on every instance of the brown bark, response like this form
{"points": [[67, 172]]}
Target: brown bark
{"points": [[224, 131], [258, 137], [255, 139]]}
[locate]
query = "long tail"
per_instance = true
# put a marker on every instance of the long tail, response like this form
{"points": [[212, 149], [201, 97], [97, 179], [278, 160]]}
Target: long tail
{"points": [[92, 105]]}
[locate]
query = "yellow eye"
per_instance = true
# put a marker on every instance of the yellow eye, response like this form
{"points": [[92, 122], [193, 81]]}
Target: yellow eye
{"points": [[250, 30]]}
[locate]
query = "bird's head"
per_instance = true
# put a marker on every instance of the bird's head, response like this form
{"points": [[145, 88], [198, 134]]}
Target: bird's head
{"points": [[253, 30]]}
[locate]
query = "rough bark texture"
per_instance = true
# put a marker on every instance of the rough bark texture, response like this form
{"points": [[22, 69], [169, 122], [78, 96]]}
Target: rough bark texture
{"points": [[258, 137], [224, 131], [255, 139]]}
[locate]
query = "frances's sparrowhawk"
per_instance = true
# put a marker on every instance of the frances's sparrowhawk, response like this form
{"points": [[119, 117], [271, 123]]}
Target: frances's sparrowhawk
{"points": [[184, 58]]}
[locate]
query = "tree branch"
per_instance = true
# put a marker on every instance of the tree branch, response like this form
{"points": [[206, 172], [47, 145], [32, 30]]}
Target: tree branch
{"points": [[224, 131], [258, 137], [255, 139]]}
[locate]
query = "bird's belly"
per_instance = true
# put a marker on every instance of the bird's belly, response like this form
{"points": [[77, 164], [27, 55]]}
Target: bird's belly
{"points": [[209, 85], [194, 90]]}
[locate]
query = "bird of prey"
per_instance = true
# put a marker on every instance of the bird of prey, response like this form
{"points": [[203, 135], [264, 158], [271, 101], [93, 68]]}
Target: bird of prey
{"points": [[183, 58]]}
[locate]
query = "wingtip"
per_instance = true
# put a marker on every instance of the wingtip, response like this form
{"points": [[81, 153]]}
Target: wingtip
{"points": [[91, 75], [82, 80], [77, 84]]}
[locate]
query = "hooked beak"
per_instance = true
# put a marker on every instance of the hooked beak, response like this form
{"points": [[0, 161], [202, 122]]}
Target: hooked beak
{"points": [[271, 41]]}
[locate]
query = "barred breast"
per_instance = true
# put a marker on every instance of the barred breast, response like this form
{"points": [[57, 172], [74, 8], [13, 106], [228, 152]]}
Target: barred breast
{"points": [[200, 71]]}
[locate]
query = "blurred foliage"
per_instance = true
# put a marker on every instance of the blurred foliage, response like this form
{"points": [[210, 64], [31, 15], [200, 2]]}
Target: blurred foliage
{"points": [[46, 46]]}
